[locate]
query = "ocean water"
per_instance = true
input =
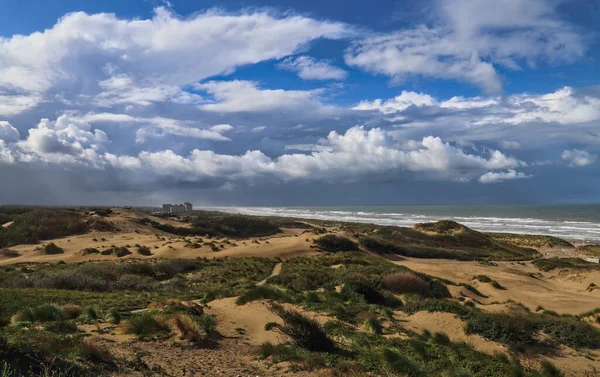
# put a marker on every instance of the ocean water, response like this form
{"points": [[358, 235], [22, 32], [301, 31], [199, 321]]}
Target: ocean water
{"points": [[573, 222]]}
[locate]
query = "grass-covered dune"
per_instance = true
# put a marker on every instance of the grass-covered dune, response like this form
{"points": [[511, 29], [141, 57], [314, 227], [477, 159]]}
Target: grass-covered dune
{"points": [[591, 250], [442, 239], [219, 224], [530, 240]]}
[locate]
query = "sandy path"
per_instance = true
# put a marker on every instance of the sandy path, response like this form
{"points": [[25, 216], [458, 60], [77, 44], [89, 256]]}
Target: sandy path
{"points": [[276, 271], [6, 225], [562, 291]]}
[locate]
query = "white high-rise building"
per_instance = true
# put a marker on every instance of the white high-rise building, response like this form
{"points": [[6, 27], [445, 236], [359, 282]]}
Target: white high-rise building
{"points": [[188, 207]]}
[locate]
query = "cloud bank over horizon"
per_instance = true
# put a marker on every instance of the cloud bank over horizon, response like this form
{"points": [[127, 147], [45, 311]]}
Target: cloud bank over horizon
{"points": [[223, 106]]}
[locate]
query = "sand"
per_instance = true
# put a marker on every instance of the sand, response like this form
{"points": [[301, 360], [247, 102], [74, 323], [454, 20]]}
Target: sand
{"points": [[564, 291], [289, 244]]}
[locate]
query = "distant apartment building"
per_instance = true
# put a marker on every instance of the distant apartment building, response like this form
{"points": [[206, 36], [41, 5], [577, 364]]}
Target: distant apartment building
{"points": [[177, 208]]}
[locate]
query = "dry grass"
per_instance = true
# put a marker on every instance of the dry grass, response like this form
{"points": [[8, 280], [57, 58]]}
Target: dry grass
{"points": [[72, 311], [406, 282], [185, 328], [174, 302]]}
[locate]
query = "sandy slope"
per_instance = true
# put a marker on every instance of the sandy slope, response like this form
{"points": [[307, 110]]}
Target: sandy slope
{"points": [[291, 243], [450, 325], [562, 291]]}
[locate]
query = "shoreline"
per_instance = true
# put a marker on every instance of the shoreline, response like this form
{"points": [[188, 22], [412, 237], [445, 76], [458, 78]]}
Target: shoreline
{"points": [[400, 220]]}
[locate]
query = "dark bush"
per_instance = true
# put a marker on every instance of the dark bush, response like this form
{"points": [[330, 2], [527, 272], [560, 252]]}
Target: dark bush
{"points": [[359, 286], [9, 253], [51, 249], [304, 332], [333, 243], [144, 250]]}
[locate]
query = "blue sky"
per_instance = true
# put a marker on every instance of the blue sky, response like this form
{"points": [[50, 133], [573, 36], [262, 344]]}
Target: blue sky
{"points": [[300, 102]]}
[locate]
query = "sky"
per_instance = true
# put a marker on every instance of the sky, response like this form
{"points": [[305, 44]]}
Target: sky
{"points": [[285, 103]]}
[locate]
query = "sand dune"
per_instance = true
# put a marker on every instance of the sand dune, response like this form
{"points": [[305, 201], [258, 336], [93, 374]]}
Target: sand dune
{"points": [[562, 291]]}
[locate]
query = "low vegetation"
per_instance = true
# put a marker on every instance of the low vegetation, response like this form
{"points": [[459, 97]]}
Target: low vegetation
{"points": [[443, 239], [334, 243], [591, 250], [217, 224], [37, 225], [51, 312], [549, 264], [530, 240]]}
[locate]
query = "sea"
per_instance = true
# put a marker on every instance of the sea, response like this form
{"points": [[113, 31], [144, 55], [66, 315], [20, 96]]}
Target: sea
{"points": [[572, 222]]}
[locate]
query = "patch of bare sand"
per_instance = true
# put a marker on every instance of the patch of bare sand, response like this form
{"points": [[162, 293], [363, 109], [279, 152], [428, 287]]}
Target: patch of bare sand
{"points": [[573, 363], [6, 225], [562, 291], [250, 317], [230, 353], [276, 271], [452, 326]]}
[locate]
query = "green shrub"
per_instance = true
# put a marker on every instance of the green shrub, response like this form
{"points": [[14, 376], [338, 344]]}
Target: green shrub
{"points": [[334, 243], [262, 292], [513, 330], [51, 249], [90, 251], [360, 286], [373, 325], [304, 332], [144, 250], [207, 323], [113, 316], [143, 325]]}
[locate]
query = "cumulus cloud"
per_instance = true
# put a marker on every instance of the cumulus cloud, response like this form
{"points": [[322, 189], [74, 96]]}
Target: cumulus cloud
{"points": [[512, 121], [398, 103], [577, 157], [308, 68], [156, 56], [510, 174], [350, 156], [8, 133], [469, 39]]}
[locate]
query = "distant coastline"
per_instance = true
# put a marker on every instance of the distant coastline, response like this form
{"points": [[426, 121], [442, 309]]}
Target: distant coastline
{"points": [[572, 222]]}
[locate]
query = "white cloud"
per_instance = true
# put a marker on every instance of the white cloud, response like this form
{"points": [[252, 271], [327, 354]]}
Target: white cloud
{"points": [[515, 121], [16, 104], [577, 157], [221, 128], [350, 156], [398, 103], [259, 129], [508, 144], [141, 61], [122, 89], [308, 68], [8, 133], [64, 141], [510, 174], [468, 39], [246, 96]]}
